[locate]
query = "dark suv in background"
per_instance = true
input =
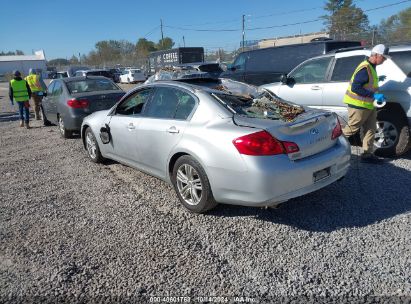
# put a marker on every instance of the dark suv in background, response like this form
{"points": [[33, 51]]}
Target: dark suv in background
{"points": [[266, 65]]}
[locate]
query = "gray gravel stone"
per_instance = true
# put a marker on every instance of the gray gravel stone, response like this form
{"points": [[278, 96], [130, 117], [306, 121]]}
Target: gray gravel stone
{"points": [[75, 231]]}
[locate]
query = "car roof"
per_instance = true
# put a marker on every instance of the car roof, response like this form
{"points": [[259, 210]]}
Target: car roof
{"points": [[400, 47], [80, 78]]}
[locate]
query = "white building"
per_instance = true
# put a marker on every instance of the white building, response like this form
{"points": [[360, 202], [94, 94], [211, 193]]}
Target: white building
{"points": [[23, 63], [291, 39]]}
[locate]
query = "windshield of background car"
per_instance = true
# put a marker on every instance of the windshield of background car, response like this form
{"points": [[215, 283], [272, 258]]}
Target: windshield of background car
{"points": [[264, 106], [403, 60], [135, 71], [91, 85]]}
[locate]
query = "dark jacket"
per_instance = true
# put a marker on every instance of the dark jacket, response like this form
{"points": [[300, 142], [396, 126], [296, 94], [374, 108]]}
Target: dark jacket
{"points": [[11, 89]]}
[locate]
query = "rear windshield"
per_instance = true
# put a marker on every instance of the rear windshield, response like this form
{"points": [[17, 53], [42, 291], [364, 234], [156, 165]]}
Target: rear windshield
{"points": [[99, 73], [265, 106], [91, 85], [210, 68], [403, 60]]}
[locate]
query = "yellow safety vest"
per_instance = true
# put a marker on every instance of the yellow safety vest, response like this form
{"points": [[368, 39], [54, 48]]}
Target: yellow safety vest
{"points": [[360, 101], [20, 92], [34, 82]]}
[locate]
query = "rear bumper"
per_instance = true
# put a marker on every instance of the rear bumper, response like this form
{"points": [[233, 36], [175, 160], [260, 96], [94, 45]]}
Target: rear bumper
{"points": [[73, 121], [274, 179]]}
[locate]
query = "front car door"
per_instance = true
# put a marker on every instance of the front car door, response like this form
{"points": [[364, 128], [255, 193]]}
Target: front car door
{"points": [[237, 69], [162, 126], [307, 80], [123, 127]]}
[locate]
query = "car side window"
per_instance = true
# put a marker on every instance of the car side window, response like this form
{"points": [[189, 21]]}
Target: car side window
{"points": [[345, 67], [186, 104], [164, 103], [239, 63], [134, 104], [50, 89], [57, 89], [311, 71]]}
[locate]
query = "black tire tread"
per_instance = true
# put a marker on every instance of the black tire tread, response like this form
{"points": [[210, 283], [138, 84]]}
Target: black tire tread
{"points": [[207, 201]]}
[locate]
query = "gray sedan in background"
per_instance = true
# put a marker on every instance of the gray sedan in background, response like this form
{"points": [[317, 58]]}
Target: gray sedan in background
{"points": [[214, 146], [71, 99]]}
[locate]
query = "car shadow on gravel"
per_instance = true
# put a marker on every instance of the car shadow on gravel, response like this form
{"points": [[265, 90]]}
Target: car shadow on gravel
{"points": [[369, 193]]}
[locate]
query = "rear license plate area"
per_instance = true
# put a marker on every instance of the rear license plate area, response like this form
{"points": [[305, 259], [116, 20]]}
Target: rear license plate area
{"points": [[321, 174]]}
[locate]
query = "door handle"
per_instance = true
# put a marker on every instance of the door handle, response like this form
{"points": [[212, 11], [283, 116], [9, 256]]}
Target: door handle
{"points": [[315, 88], [131, 126], [173, 130]]}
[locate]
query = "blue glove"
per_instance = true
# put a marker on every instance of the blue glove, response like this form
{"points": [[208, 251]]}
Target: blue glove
{"points": [[382, 78], [379, 97]]}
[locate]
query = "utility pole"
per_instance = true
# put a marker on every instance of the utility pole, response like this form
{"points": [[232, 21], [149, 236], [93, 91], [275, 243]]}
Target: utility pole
{"points": [[243, 33], [373, 37], [184, 42], [161, 27], [79, 58]]}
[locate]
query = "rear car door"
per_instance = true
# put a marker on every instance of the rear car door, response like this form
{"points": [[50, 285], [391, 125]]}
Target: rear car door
{"points": [[162, 127], [123, 127], [334, 89], [307, 81], [54, 100], [46, 102]]}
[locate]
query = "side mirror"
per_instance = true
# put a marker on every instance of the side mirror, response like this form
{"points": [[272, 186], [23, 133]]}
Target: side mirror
{"points": [[284, 79]]}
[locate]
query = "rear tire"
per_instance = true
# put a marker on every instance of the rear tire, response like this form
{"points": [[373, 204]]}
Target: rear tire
{"points": [[192, 186], [93, 150], [63, 131], [393, 134]]}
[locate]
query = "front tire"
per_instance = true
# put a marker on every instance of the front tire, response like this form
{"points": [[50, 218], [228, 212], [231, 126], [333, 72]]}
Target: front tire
{"points": [[192, 186], [392, 137], [93, 150]]}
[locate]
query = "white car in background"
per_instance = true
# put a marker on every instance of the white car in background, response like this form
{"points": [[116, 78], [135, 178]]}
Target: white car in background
{"points": [[321, 83], [132, 75]]}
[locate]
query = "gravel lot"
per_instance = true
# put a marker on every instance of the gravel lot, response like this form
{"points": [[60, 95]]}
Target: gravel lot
{"points": [[75, 231]]}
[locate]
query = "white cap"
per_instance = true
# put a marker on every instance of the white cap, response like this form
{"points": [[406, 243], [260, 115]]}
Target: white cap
{"points": [[381, 50]]}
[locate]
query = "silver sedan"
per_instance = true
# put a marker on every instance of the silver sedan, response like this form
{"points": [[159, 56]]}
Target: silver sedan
{"points": [[213, 146]]}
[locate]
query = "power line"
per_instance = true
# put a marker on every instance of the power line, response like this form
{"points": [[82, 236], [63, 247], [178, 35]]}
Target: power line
{"points": [[276, 26], [151, 31]]}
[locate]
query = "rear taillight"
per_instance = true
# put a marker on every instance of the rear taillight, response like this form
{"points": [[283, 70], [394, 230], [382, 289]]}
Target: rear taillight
{"points": [[290, 147], [337, 132], [262, 143], [78, 103]]}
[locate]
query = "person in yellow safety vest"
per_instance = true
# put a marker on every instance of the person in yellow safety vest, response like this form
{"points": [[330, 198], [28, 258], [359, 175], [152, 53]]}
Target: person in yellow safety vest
{"points": [[38, 89], [360, 95], [19, 91]]}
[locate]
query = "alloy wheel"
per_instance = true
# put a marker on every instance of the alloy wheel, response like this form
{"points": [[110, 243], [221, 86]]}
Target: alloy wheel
{"points": [[386, 135], [61, 126], [91, 145], [189, 184]]}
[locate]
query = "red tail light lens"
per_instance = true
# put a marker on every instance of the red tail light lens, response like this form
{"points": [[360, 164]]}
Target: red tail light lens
{"points": [[262, 143], [290, 147], [337, 130], [78, 103]]}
